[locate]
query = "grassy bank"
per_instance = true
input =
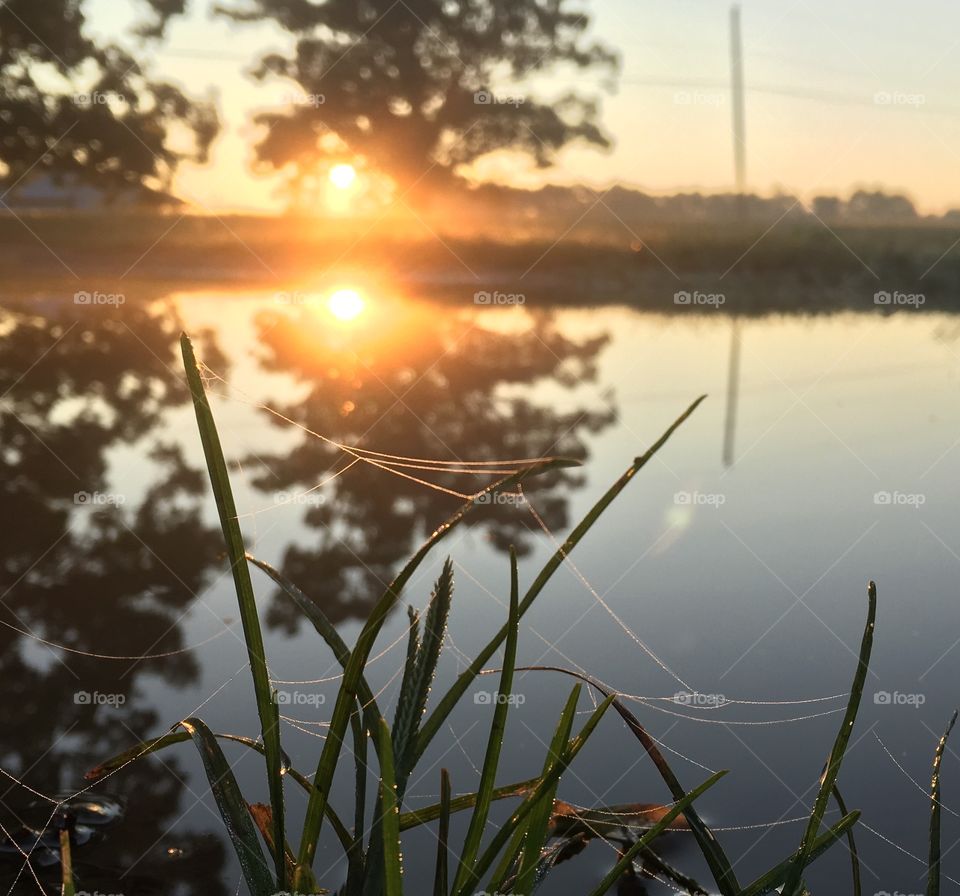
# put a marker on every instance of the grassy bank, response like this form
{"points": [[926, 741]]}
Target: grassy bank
{"points": [[758, 268]]}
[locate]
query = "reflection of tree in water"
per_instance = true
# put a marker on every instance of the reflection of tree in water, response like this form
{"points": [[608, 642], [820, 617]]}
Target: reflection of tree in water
{"points": [[419, 383], [115, 579]]}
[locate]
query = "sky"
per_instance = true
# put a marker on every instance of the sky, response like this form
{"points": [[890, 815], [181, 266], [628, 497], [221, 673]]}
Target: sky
{"points": [[839, 96]]}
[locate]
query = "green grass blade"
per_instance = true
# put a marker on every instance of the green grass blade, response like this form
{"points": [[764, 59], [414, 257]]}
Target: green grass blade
{"points": [[425, 666], [541, 814], [318, 619], [510, 860], [538, 827], [233, 809], [933, 875], [625, 861], [326, 767], [262, 816], [67, 885], [851, 845], [355, 856], [432, 725], [440, 885], [491, 761], [775, 877], [713, 853], [502, 837], [390, 818], [246, 600], [404, 715], [406, 721], [178, 737], [417, 817], [791, 885]]}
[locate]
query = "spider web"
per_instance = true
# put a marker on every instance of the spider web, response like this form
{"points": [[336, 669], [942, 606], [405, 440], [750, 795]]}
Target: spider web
{"points": [[418, 470]]}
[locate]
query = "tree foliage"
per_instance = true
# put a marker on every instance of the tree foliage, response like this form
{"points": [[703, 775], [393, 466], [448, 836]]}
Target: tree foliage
{"points": [[413, 89], [70, 103]]}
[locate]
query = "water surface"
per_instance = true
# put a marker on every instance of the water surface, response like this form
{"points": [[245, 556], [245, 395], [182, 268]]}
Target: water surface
{"points": [[733, 568]]}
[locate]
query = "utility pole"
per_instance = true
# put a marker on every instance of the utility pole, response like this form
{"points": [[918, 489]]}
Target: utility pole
{"points": [[740, 173], [736, 90]]}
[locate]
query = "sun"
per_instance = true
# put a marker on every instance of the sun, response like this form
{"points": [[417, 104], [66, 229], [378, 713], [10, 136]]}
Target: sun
{"points": [[342, 176], [345, 304]]}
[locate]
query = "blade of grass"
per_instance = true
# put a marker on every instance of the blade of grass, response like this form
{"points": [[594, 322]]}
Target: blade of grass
{"points": [[509, 861], [233, 809], [403, 716], [491, 760], [775, 877], [414, 689], [326, 766], [408, 820], [179, 737], [67, 885], [262, 816], [355, 856], [791, 885], [627, 858], [411, 707], [440, 885], [851, 844], [318, 619], [933, 875], [715, 857], [417, 817], [538, 827], [503, 835], [246, 600], [513, 855], [390, 818], [432, 725]]}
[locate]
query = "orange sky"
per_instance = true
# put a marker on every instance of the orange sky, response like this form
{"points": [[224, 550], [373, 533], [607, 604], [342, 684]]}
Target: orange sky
{"points": [[817, 74]]}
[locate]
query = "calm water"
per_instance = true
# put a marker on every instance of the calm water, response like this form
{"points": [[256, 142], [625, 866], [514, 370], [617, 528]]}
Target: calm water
{"points": [[746, 580]]}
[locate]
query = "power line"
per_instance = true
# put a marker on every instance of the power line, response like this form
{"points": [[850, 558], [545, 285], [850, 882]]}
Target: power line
{"points": [[831, 97], [801, 93]]}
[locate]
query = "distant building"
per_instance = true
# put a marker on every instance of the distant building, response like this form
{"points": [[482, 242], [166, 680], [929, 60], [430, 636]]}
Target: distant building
{"points": [[53, 191]]}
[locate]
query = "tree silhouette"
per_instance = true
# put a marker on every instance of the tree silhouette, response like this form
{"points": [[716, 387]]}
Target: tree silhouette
{"points": [[112, 579], [423, 385], [411, 89], [70, 104]]}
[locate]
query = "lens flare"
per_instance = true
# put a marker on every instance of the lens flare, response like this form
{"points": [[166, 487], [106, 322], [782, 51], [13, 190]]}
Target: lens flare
{"points": [[342, 176], [345, 304]]}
